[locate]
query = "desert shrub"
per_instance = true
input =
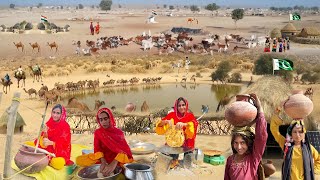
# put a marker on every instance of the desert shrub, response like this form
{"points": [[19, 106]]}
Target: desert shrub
{"points": [[198, 74], [137, 125], [236, 77], [263, 65], [165, 68], [221, 73], [286, 75], [310, 77], [316, 68], [212, 65], [193, 68], [300, 67]]}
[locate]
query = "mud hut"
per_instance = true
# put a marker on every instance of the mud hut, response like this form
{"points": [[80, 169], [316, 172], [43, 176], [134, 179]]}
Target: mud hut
{"points": [[4, 121], [275, 33], [289, 30], [310, 32]]}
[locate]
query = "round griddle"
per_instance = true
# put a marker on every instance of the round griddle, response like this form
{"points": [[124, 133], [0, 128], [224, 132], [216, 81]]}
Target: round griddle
{"points": [[165, 149]]}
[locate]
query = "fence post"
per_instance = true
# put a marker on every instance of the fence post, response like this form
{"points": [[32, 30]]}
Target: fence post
{"points": [[12, 112]]}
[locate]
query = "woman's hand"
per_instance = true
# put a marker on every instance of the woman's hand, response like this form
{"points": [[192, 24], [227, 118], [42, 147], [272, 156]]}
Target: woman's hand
{"points": [[164, 122], [47, 142], [109, 168], [180, 125], [257, 102], [103, 164]]}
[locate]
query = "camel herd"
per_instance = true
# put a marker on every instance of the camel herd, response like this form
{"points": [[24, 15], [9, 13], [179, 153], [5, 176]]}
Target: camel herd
{"points": [[36, 46]]}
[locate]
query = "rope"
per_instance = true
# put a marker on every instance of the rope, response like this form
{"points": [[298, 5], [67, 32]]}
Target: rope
{"points": [[31, 109], [16, 99], [23, 169]]}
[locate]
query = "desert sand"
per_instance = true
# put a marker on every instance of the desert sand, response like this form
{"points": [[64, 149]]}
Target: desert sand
{"points": [[127, 25]]}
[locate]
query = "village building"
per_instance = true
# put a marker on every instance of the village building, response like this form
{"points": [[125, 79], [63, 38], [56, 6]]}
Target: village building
{"points": [[289, 30], [310, 32]]}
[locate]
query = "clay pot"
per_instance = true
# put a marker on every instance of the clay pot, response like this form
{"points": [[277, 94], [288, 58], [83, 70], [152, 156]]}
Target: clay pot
{"points": [[240, 113], [298, 106], [268, 168], [130, 107], [26, 156]]}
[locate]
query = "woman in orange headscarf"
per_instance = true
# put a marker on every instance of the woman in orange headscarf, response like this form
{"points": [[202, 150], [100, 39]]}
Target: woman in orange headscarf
{"points": [[110, 146], [182, 119], [56, 138], [97, 28]]}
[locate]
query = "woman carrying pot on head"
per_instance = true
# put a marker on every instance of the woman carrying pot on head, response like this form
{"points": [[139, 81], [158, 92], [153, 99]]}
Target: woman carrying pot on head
{"points": [[183, 120], [248, 145], [110, 146], [56, 138], [301, 159]]}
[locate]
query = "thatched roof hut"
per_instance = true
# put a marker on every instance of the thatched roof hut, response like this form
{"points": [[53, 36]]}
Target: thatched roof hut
{"points": [[4, 121], [289, 28], [309, 32], [275, 33]]}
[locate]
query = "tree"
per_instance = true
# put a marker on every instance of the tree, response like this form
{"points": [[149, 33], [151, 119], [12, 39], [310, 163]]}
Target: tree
{"points": [[194, 8], [212, 7], [263, 65], [39, 5], [105, 5], [315, 8], [237, 14], [12, 6], [222, 71], [80, 6], [171, 7], [165, 6]]}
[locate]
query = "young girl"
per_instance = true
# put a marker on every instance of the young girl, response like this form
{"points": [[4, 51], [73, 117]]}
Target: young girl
{"points": [[247, 148], [301, 159]]}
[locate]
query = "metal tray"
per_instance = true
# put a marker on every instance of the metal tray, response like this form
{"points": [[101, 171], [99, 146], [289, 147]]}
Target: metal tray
{"points": [[142, 148]]}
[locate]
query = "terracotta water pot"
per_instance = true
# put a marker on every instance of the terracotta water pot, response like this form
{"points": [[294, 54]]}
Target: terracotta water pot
{"points": [[268, 168], [298, 106], [26, 156], [240, 113], [130, 107]]}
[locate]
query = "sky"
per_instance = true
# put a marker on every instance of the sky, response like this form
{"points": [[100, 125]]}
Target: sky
{"points": [[227, 3]]}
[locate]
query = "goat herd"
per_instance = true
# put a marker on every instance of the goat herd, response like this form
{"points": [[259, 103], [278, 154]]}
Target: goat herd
{"points": [[168, 43]]}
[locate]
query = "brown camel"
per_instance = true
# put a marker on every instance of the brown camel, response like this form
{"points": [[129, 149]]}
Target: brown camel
{"points": [[74, 103], [223, 102], [30, 92], [6, 85], [19, 77], [36, 73], [44, 87], [50, 97], [19, 45], [35, 46], [53, 45], [41, 93], [144, 107]]}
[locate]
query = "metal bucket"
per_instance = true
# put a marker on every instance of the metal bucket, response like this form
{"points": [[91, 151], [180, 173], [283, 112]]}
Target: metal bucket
{"points": [[135, 171]]}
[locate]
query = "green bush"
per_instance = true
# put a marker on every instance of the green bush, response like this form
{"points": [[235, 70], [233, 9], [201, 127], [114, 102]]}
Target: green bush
{"points": [[222, 71], [236, 77], [263, 66]]}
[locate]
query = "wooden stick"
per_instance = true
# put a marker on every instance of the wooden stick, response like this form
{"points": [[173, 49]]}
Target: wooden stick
{"points": [[42, 124], [12, 111]]}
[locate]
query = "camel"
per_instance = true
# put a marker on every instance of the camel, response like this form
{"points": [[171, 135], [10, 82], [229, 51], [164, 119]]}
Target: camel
{"points": [[223, 102], [19, 45], [193, 78], [20, 77], [30, 92], [144, 107], [53, 45], [35, 46], [190, 20], [36, 73], [41, 93], [184, 80], [74, 103], [6, 84], [44, 87]]}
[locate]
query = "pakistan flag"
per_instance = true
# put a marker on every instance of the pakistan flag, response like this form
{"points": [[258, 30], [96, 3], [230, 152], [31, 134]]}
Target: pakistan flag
{"points": [[282, 64]]}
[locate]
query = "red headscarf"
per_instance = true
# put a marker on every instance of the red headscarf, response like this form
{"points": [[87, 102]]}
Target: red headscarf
{"points": [[59, 133], [185, 118], [110, 140]]}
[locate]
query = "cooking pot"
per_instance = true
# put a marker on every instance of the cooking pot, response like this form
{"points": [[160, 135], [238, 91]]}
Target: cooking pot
{"points": [[135, 171], [90, 172]]}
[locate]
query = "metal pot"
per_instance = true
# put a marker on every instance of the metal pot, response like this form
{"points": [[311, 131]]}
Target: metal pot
{"points": [[90, 172], [135, 171], [198, 156]]}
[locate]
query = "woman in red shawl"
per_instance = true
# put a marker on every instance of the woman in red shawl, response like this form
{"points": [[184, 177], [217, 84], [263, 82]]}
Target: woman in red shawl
{"points": [[97, 27], [182, 119], [111, 142], [56, 138]]}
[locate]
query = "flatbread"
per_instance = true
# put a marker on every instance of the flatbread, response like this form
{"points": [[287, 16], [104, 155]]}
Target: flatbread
{"points": [[211, 152], [138, 149], [174, 138]]}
